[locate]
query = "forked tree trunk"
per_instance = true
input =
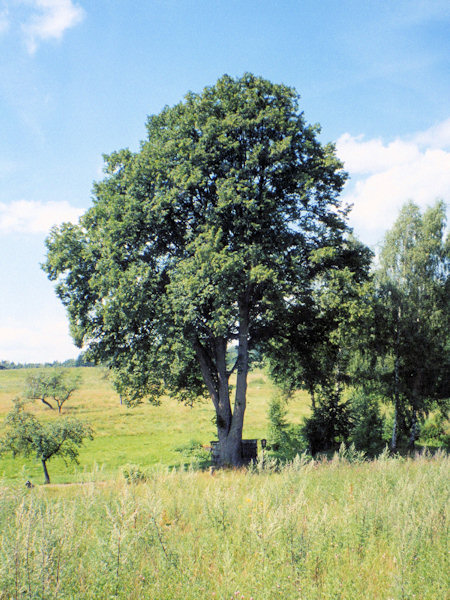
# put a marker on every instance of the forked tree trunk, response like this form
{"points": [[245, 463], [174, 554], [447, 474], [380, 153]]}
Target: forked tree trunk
{"points": [[216, 376], [44, 401], [231, 447], [46, 475]]}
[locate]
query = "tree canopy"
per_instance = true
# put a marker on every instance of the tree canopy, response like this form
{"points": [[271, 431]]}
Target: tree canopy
{"points": [[25, 434], [413, 317], [207, 236], [55, 385]]}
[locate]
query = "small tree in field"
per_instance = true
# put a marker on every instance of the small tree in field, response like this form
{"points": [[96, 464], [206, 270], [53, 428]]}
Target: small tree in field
{"points": [[26, 435], [56, 385]]}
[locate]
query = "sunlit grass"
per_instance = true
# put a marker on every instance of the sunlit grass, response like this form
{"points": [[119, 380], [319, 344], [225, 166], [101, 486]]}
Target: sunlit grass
{"points": [[146, 435], [319, 530], [312, 531]]}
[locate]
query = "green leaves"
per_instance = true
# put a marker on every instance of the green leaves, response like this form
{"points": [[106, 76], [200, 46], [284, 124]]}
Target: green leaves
{"points": [[26, 434], [206, 233], [413, 311]]}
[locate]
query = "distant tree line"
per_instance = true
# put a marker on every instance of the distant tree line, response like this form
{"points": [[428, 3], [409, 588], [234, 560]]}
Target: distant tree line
{"points": [[80, 361]]}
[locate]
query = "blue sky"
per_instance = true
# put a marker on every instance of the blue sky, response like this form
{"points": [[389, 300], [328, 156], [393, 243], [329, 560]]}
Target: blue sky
{"points": [[78, 79]]}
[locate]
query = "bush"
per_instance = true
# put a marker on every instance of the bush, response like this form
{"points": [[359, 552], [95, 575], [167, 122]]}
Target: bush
{"points": [[435, 431], [329, 425], [284, 441], [196, 454], [135, 474], [367, 423]]}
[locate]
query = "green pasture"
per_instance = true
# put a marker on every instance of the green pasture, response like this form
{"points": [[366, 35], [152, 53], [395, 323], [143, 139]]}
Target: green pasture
{"points": [[339, 529], [146, 435]]}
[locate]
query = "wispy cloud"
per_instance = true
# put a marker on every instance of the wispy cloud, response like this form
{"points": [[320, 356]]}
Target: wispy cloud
{"points": [[25, 216], [45, 340], [50, 20], [385, 175], [4, 19]]}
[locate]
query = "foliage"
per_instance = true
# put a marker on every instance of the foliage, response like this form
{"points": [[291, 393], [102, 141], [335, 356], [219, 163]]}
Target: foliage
{"points": [[203, 238], [412, 349], [135, 474], [367, 422], [330, 424], [315, 346], [26, 435], [197, 454], [284, 439], [436, 431], [55, 385]]}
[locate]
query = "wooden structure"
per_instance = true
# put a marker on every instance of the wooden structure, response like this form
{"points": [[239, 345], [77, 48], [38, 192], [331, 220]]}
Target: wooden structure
{"points": [[249, 451]]}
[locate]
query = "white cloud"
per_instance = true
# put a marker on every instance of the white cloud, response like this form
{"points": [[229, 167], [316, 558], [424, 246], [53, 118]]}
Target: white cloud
{"points": [[372, 156], [4, 20], [52, 19], [42, 342], [437, 136], [25, 216], [386, 175]]}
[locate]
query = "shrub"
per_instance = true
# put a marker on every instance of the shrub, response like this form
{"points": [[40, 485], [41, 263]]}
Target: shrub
{"points": [[329, 425], [284, 441], [435, 431], [135, 474], [196, 454], [367, 423]]}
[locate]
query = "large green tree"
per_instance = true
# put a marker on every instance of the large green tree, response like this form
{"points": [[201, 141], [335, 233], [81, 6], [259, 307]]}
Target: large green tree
{"points": [[199, 240], [413, 317]]}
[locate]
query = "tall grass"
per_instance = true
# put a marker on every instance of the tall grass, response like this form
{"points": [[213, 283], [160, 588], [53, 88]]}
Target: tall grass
{"points": [[314, 530]]}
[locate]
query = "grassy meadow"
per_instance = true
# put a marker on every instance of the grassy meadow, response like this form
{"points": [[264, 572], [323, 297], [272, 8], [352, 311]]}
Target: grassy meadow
{"points": [[324, 531], [146, 435], [340, 529]]}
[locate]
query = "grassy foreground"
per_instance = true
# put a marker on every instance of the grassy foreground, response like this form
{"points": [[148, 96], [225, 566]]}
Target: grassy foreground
{"points": [[312, 531]]}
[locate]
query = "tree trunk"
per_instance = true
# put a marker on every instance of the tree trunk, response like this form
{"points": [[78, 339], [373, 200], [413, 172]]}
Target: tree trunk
{"points": [[44, 401], [223, 408], [415, 406], [313, 398], [46, 475], [413, 432], [231, 450], [216, 376], [396, 385], [394, 428]]}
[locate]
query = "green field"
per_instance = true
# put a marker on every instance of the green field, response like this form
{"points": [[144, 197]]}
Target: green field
{"points": [[145, 435], [340, 529]]}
